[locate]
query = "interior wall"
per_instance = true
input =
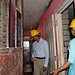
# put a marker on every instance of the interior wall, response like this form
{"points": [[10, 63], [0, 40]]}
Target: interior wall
{"points": [[3, 23], [67, 17], [71, 16], [12, 23], [66, 31], [71, 13], [41, 27], [10, 58], [50, 39], [54, 36], [46, 14], [10, 62], [26, 32]]}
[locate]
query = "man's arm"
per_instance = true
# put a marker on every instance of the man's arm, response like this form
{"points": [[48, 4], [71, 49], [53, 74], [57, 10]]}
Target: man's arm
{"points": [[56, 71], [46, 47], [32, 56]]}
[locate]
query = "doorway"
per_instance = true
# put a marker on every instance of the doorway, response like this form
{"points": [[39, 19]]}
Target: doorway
{"points": [[27, 68], [67, 17]]}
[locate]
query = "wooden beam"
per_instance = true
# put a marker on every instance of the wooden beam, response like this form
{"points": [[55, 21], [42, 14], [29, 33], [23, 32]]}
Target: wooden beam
{"points": [[64, 5]]}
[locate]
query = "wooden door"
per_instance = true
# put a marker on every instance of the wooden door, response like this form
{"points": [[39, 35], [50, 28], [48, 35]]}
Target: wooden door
{"points": [[50, 38], [59, 42], [54, 36]]}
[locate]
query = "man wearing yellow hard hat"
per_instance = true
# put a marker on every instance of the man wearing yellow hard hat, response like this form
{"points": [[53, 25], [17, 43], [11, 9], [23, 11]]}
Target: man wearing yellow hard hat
{"points": [[40, 55], [71, 60]]}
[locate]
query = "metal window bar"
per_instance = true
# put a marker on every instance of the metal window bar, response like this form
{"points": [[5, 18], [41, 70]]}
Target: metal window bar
{"points": [[7, 24], [22, 26], [21, 31], [22, 42], [15, 23], [22, 37]]}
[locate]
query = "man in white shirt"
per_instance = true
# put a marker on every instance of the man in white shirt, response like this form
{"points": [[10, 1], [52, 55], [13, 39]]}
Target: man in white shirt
{"points": [[40, 55]]}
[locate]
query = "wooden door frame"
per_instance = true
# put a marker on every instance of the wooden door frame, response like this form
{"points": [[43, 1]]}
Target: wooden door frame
{"points": [[63, 6]]}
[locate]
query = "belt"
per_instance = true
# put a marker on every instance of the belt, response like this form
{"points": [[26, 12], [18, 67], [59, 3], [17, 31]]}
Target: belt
{"points": [[40, 57]]}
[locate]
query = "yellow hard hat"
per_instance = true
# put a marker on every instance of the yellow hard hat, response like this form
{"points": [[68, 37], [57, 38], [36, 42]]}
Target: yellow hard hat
{"points": [[34, 32], [72, 24]]}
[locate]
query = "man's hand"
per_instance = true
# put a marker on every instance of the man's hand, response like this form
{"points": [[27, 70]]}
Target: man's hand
{"points": [[32, 59], [44, 68], [55, 72]]}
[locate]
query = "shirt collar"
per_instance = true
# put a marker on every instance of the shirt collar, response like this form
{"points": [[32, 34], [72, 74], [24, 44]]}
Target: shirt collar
{"points": [[40, 40]]}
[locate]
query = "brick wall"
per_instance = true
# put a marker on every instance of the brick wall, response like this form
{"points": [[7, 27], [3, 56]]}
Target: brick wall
{"points": [[46, 15], [10, 62], [66, 31], [3, 22], [66, 34]]}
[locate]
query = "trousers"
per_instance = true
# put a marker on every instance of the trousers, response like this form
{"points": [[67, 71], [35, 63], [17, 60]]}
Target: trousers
{"points": [[38, 67]]}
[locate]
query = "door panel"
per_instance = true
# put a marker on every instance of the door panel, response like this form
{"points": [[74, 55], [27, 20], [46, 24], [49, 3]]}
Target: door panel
{"points": [[54, 36], [50, 38], [59, 36]]}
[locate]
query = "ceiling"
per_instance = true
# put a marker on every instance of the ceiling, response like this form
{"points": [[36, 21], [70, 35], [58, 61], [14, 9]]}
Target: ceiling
{"points": [[32, 11]]}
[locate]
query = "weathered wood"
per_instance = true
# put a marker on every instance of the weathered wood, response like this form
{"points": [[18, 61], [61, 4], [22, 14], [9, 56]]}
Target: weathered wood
{"points": [[60, 47], [50, 38], [64, 6]]}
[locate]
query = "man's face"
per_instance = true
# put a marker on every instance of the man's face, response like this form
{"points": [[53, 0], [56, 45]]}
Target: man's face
{"points": [[35, 38], [73, 32]]}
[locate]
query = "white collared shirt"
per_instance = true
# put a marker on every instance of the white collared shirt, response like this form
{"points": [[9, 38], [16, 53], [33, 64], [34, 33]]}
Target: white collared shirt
{"points": [[41, 49]]}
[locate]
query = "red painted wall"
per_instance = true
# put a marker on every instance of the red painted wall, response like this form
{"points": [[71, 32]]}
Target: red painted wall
{"points": [[10, 62], [12, 23], [6, 1], [41, 27], [45, 16], [74, 3], [26, 32]]}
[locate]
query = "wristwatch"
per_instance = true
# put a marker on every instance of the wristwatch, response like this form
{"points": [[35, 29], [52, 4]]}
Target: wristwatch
{"points": [[61, 68]]}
